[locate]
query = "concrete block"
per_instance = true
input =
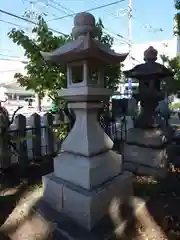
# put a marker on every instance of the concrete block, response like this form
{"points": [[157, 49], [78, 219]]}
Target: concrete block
{"points": [[88, 208], [52, 191], [87, 172], [140, 169], [146, 156], [149, 137]]}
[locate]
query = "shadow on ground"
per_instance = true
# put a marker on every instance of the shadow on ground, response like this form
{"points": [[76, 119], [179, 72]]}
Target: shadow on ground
{"points": [[15, 183], [160, 217], [163, 205]]}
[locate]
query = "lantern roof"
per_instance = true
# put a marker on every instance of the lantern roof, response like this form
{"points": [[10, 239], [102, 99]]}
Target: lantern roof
{"points": [[150, 67], [84, 47]]}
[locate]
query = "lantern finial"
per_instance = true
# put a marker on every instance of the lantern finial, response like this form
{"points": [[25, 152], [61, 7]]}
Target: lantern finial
{"points": [[150, 55], [84, 23]]}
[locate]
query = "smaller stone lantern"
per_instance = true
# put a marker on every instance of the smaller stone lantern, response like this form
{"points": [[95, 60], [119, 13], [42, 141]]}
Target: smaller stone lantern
{"points": [[150, 74], [145, 149], [87, 173]]}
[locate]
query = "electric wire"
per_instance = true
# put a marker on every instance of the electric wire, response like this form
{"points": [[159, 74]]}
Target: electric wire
{"points": [[29, 21], [88, 10]]}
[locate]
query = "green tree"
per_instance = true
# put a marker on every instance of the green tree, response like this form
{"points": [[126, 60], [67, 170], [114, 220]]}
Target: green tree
{"points": [[40, 76], [173, 84], [177, 17], [113, 74], [44, 78]]}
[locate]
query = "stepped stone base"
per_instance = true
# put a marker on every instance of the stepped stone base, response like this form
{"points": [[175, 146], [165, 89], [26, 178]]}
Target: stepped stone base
{"points": [[146, 156], [111, 226], [145, 153], [87, 172], [149, 137], [145, 170], [85, 207]]}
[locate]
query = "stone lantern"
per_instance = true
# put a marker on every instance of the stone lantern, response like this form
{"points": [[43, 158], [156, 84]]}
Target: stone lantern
{"points": [[146, 137], [87, 173]]}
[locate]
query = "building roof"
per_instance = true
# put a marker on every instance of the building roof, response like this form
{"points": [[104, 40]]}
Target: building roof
{"points": [[15, 88]]}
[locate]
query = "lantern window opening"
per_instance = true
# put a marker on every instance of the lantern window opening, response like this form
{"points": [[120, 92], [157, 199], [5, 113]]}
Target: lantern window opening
{"points": [[75, 72]]}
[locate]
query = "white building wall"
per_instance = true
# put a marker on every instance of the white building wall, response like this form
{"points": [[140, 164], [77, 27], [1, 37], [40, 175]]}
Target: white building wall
{"points": [[8, 69], [166, 47]]}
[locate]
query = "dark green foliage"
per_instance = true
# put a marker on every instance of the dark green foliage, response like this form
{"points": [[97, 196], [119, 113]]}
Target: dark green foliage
{"points": [[173, 84]]}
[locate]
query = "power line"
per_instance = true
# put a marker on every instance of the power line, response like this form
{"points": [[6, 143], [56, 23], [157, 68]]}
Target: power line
{"points": [[118, 35], [147, 26], [34, 4], [56, 8], [11, 60], [61, 6], [88, 10], [29, 21], [69, 10], [126, 40], [6, 55], [14, 24], [6, 71]]}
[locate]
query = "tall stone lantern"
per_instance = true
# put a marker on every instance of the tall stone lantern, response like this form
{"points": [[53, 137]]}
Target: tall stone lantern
{"points": [[145, 149], [87, 173]]}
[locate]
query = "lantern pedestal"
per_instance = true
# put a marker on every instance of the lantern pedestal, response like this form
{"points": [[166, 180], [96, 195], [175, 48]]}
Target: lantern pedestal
{"points": [[145, 152], [87, 173]]}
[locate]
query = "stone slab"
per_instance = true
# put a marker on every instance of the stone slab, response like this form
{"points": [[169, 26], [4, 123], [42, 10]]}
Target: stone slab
{"points": [[87, 208], [85, 94], [149, 137], [87, 172], [52, 192], [146, 156], [67, 229], [139, 169]]}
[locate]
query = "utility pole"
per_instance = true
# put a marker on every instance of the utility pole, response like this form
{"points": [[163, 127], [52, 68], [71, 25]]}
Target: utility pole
{"points": [[130, 24], [32, 15], [130, 40]]}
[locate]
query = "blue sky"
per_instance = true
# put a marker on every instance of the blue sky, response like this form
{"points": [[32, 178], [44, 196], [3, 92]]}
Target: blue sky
{"points": [[156, 13]]}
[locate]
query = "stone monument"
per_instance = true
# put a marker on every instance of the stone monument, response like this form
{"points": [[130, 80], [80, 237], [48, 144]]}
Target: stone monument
{"points": [[87, 173], [145, 148]]}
